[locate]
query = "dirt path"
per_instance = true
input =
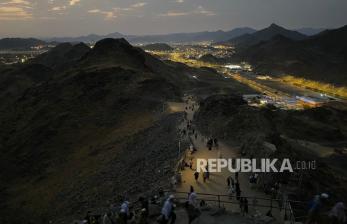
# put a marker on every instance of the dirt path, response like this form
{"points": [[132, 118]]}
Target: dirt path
{"points": [[217, 183]]}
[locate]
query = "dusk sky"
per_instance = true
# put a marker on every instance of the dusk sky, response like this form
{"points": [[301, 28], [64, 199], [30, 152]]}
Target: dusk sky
{"points": [[47, 18]]}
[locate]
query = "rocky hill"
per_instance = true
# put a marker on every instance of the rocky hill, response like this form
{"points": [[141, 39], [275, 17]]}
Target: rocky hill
{"points": [[19, 43], [321, 57], [62, 56], [266, 34], [291, 133], [83, 127], [209, 58]]}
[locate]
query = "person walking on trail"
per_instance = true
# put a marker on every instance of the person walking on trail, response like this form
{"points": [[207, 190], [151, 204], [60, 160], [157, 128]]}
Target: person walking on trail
{"points": [[196, 136], [207, 172], [242, 205], [245, 205], [215, 141], [204, 176], [315, 208], [196, 176], [190, 164], [124, 212], [237, 176], [192, 197], [167, 211], [192, 206], [238, 190], [209, 144], [191, 149], [337, 214], [231, 191]]}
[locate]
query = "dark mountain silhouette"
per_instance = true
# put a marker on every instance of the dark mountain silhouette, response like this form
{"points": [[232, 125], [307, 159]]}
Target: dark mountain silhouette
{"points": [[265, 35], [214, 36], [332, 41], [72, 117], [321, 57], [310, 31], [19, 43], [209, 58], [91, 38], [158, 47], [62, 56]]}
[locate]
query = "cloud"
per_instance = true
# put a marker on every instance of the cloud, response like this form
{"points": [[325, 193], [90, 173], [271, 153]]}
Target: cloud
{"points": [[203, 11], [15, 10], [108, 15], [131, 7], [173, 13], [14, 13], [58, 8], [94, 11], [117, 11], [198, 11], [179, 1], [16, 2], [74, 2], [138, 5]]}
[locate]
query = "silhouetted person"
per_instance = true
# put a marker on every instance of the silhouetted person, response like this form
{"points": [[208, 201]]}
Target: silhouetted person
{"points": [[245, 204], [238, 190], [215, 142], [196, 175], [242, 205]]}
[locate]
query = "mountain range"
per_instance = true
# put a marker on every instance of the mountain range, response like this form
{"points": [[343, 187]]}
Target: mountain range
{"points": [[166, 38], [215, 36], [320, 57], [264, 35]]}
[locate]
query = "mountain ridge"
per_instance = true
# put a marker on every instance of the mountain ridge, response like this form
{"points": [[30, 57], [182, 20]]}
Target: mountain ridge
{"points": [[218, 35], [321, 57], [265, 34]]}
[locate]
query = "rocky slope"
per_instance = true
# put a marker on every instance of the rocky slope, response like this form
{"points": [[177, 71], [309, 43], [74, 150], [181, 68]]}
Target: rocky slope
{"points": [[265, 34], [78, 124], [321, 57], [290, 133]]}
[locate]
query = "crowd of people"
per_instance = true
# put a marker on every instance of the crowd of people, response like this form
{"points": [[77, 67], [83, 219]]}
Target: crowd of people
{"points": [[316, 211], [125, 213]]}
